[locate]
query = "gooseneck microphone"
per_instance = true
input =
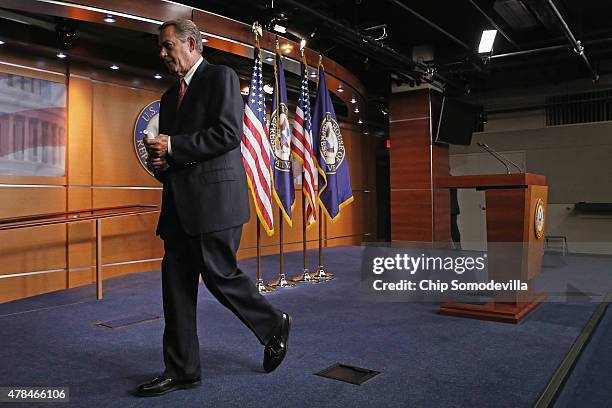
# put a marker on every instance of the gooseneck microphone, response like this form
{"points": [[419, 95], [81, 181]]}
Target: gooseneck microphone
{"points": [[502, 159]]}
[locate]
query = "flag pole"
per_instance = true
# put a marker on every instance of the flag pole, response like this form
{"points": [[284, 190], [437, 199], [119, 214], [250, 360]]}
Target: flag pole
{"points": [[320, 275], [305, 275], [260, 285], [261, 288], [281, 282]]}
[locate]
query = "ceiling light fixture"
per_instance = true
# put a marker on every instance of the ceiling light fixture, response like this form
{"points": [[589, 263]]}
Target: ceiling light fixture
{"points": [[313, 74], [2, 42], [204, 40], [360, 121], [356, 109], [109, 19], [280, 29], [157, 76], [486, 41], [353, 100], [114, 67], [61, 55], [340, 89]]}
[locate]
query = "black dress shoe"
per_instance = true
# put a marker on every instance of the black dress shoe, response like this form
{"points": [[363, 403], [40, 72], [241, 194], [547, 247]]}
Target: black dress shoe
{"points": [[162, 385], [276, 349]]}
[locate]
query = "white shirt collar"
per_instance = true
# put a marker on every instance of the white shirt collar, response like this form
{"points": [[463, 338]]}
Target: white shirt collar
{"points": [[192, 71]]}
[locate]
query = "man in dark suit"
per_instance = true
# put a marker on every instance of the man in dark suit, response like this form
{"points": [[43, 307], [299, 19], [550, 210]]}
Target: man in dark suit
{"points": [[204, 205]]}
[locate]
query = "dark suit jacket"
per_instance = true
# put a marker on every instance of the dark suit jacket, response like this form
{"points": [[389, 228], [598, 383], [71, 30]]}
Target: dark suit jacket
{"points": [[205, 184]]}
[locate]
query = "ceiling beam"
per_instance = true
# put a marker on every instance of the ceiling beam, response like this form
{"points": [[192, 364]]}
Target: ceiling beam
{"points": [[368, 46], [495, 24], [573, 41]]}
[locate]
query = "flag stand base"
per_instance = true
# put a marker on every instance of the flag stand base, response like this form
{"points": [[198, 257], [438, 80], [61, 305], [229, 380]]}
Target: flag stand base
{"points": [[261, 288], [304, 277], [321, 276], [281, 282]]}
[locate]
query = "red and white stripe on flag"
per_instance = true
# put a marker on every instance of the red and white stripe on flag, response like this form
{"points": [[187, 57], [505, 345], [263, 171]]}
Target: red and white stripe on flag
{"points": [[301, 148], [255, 147]]}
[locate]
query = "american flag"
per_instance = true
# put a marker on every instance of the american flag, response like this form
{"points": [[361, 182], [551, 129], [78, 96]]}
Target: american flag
{"points": [[255, 147], [301, 147]]}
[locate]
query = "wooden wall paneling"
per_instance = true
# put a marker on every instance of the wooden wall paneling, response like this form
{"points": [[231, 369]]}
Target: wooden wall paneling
{"points": [[78, 163], [411, 215], [19, 201], [351, 220], [415, 165], [80, 236], [80, 239], [114, 159], [31, 250], [441, 168], [354, 145], [442, 215], [410, 154], [371, 154], [129, 238], [409, 105]]}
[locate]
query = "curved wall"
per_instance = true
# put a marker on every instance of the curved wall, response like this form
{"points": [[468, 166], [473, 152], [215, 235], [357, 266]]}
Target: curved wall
{"points": [[102, 171]]}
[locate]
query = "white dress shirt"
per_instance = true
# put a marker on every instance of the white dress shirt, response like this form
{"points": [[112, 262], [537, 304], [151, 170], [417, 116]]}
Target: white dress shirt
{"points": [[187, 78]]}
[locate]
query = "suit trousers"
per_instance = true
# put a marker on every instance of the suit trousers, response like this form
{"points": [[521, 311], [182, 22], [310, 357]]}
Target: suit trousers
{"points": [[213, 255]]}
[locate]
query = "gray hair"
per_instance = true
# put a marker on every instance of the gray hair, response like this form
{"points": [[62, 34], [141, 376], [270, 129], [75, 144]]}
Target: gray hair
{"points": [[184, 30]]}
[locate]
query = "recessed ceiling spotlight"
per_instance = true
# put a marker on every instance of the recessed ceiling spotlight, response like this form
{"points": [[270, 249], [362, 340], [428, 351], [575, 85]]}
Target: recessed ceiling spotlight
{"points": [[360, 121], [269, 58], [313, 74], [114, 67], [109, 19], [2, 42], [61, 55], [204, 40], [356, 109], [340, 88], [353, 100], [157, 76]]}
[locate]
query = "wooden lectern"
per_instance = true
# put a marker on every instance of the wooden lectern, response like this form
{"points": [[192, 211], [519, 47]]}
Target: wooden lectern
{"points": [[515, 213]]}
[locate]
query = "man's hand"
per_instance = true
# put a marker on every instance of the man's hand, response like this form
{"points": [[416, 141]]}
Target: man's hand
{"points": [[156, 164], [158, 147]]}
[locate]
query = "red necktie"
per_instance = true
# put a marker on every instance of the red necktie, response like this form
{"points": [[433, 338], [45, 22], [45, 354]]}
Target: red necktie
{"points": [[182, 90]]}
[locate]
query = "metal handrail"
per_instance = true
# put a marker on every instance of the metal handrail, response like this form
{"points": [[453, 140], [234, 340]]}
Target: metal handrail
{"points": [[37, 220]]}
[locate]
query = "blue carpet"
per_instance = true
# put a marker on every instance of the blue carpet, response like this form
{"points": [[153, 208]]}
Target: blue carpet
{"points": [[590, 383], [426, 360]]}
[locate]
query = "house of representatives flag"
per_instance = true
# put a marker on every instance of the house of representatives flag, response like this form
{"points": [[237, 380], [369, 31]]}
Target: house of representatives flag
{"points": [[301, 147], [335, 190], [280, 144], [255, 147]]}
